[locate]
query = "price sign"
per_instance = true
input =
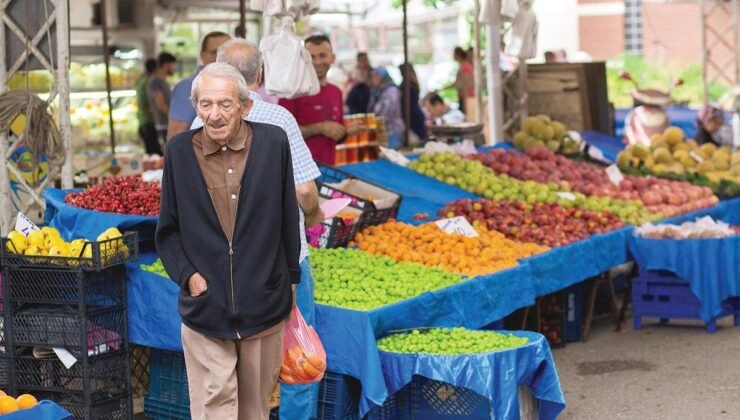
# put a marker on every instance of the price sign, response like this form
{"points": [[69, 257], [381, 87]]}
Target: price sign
{"points": [[614, 174], [566, 195], [458, 225], [24, 225], [697, 157]]}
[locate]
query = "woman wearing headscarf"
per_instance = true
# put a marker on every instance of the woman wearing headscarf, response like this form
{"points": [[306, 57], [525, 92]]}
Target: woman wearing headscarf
{"points": [[708, 122], [385, 101], [417, 120]]}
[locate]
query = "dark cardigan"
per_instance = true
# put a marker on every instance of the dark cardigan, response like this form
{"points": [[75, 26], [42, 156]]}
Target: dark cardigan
{"points": [[249, 281]]}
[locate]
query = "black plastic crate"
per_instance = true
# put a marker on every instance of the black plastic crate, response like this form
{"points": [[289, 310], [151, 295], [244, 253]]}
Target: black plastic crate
{"points": [[332, 234], [102, 255], [106, 372], [338, 397], [96, 406], [371, 215], [553, 318], [4, 370], [66, 287], [94, 332]]}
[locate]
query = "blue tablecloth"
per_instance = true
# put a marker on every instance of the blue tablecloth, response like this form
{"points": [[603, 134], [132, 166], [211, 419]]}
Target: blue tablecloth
{"points": [[609, 146], [711, 266], [73, 222], [531, 364], [44, 410]]}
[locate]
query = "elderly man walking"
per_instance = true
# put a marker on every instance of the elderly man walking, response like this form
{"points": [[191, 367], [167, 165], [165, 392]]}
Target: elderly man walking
{"points": [[296, 401], [228, 235]]}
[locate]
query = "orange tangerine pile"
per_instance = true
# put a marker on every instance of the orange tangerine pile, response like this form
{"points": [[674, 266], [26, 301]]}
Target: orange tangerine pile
{"points": [[428, 245], [9, 404]]}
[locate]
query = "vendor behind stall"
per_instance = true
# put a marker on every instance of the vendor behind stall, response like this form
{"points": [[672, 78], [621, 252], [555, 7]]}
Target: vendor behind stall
{"points": [[440, 112], [708, 123], [385, 101]]}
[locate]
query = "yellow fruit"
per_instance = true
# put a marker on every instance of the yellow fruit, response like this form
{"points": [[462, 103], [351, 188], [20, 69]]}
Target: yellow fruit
{"points": [[51, 232], [659, 168], [682, 146], [624, 158], [36, 238], [721, 155], [676, 168], [529, 123], [641, 152], [706, 166], [657, 138], [660, 144], [688, 162], [680, 154], [110, 233], [26, 401], [649, 162], [16, 242], [8, 405], [663, 156], [559, 129], [2, 393], [721, 165], [673, 135], [34, 250], [735, 159], [707, 150], [692, 144]]}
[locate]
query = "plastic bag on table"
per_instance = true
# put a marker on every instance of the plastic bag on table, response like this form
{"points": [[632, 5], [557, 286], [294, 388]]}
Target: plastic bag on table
{"points": [[304, 358]]}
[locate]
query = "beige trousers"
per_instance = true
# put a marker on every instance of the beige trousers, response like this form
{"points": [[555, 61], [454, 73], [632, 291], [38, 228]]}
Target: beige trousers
{"points": [[232, 379]]}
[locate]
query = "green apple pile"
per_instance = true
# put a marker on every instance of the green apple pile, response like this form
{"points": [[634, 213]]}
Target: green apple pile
{"points": [[353, 279], [156, 267], [540, 130], [449, 341], [475, 177]]}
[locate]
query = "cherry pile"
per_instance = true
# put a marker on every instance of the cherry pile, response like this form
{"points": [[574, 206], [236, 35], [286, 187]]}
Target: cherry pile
{"points": [[124, 195]]}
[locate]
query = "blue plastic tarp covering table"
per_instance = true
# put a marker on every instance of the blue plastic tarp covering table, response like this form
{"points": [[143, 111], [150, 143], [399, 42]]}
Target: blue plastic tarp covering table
{"points": [[349, 337], [711, 266], [609, 146], [531, 364], [44, 410], [73, 222]]}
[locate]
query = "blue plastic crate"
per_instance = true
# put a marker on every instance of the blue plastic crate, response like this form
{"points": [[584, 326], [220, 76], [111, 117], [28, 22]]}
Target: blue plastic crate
{"points": [[662, 295], [338, 397], [168, 386], [574, 312], [427, 399]]}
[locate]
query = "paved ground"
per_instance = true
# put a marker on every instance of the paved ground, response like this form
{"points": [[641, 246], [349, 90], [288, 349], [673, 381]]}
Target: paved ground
{"points": [[660, 372]]}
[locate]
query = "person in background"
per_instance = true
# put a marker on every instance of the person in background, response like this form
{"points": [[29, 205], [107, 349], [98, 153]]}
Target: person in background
{"points": [[561, 56], [385, 101], [321, 116], [550, 57], [464, 82], [228, 236], [147, 130], [440, 112], [182, 112], [417, 120], [158, 91], [709, 120], [358, 97]]}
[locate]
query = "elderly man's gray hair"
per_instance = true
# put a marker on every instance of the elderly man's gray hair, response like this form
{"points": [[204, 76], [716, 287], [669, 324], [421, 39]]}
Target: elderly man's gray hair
{"points": [[221, 71], [243, 55]]}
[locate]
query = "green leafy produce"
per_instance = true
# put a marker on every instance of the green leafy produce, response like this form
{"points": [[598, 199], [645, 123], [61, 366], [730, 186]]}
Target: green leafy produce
{"points": [[353, 279], [449, 341], [156, 267]]}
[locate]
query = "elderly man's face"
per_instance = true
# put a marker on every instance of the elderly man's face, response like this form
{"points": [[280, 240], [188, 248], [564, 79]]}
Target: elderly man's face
{"points": [[219, 107]]}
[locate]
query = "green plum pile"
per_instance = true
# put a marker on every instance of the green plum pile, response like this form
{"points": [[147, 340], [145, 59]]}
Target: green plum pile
{"points": [[475, 177], [156, 267], [353, 279], [449, 341]]}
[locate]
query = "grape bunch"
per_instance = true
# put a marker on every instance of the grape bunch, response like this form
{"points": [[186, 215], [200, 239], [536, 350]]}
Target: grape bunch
{"points": [[353, 279], [449, 341], [156, 267]]}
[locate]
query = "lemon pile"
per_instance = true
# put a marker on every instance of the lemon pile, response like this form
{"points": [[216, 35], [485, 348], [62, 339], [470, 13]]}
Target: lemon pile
{"points": [[48, 242]]}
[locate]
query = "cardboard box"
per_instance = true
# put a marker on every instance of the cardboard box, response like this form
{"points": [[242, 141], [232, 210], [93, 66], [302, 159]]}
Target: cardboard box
{"points": [[382, 199]]}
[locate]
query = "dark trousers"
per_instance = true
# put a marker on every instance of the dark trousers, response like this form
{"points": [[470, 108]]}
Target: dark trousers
{"points": [[149, 135]]}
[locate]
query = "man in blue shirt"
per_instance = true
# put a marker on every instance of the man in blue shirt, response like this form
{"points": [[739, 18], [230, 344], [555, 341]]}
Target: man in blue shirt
{"points": [[296, 401], [181, 112]]}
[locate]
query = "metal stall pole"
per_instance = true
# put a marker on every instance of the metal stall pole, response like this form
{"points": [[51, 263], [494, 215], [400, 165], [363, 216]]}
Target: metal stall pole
{"points": [[65, 125], [106, 59], [242, 30], [477, 68], [407, 83], [5, 200], [493, 76]]}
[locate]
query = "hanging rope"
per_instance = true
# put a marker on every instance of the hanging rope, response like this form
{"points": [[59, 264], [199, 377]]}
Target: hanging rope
{"points": [[41, 135]]}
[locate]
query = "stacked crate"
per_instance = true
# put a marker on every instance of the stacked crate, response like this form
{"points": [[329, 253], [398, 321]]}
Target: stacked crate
{"points": [[71, 309]]}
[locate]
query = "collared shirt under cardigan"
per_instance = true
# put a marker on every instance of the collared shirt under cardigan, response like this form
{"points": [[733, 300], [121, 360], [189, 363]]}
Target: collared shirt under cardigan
{"points": [[249, 278]]}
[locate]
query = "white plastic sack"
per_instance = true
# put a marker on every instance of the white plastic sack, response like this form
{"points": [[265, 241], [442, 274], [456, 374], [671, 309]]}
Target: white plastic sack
{"points": [[289, 72], [523, 42]]}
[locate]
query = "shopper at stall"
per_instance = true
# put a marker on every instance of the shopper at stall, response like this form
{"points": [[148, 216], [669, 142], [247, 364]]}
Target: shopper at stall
{"points": [[709, 120], [440, 112], [417, 121], [321, 116], [228, 235], [158, 91], [464, 82], [182, 112], [385, 101], [358, 97], [147, 129]]}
